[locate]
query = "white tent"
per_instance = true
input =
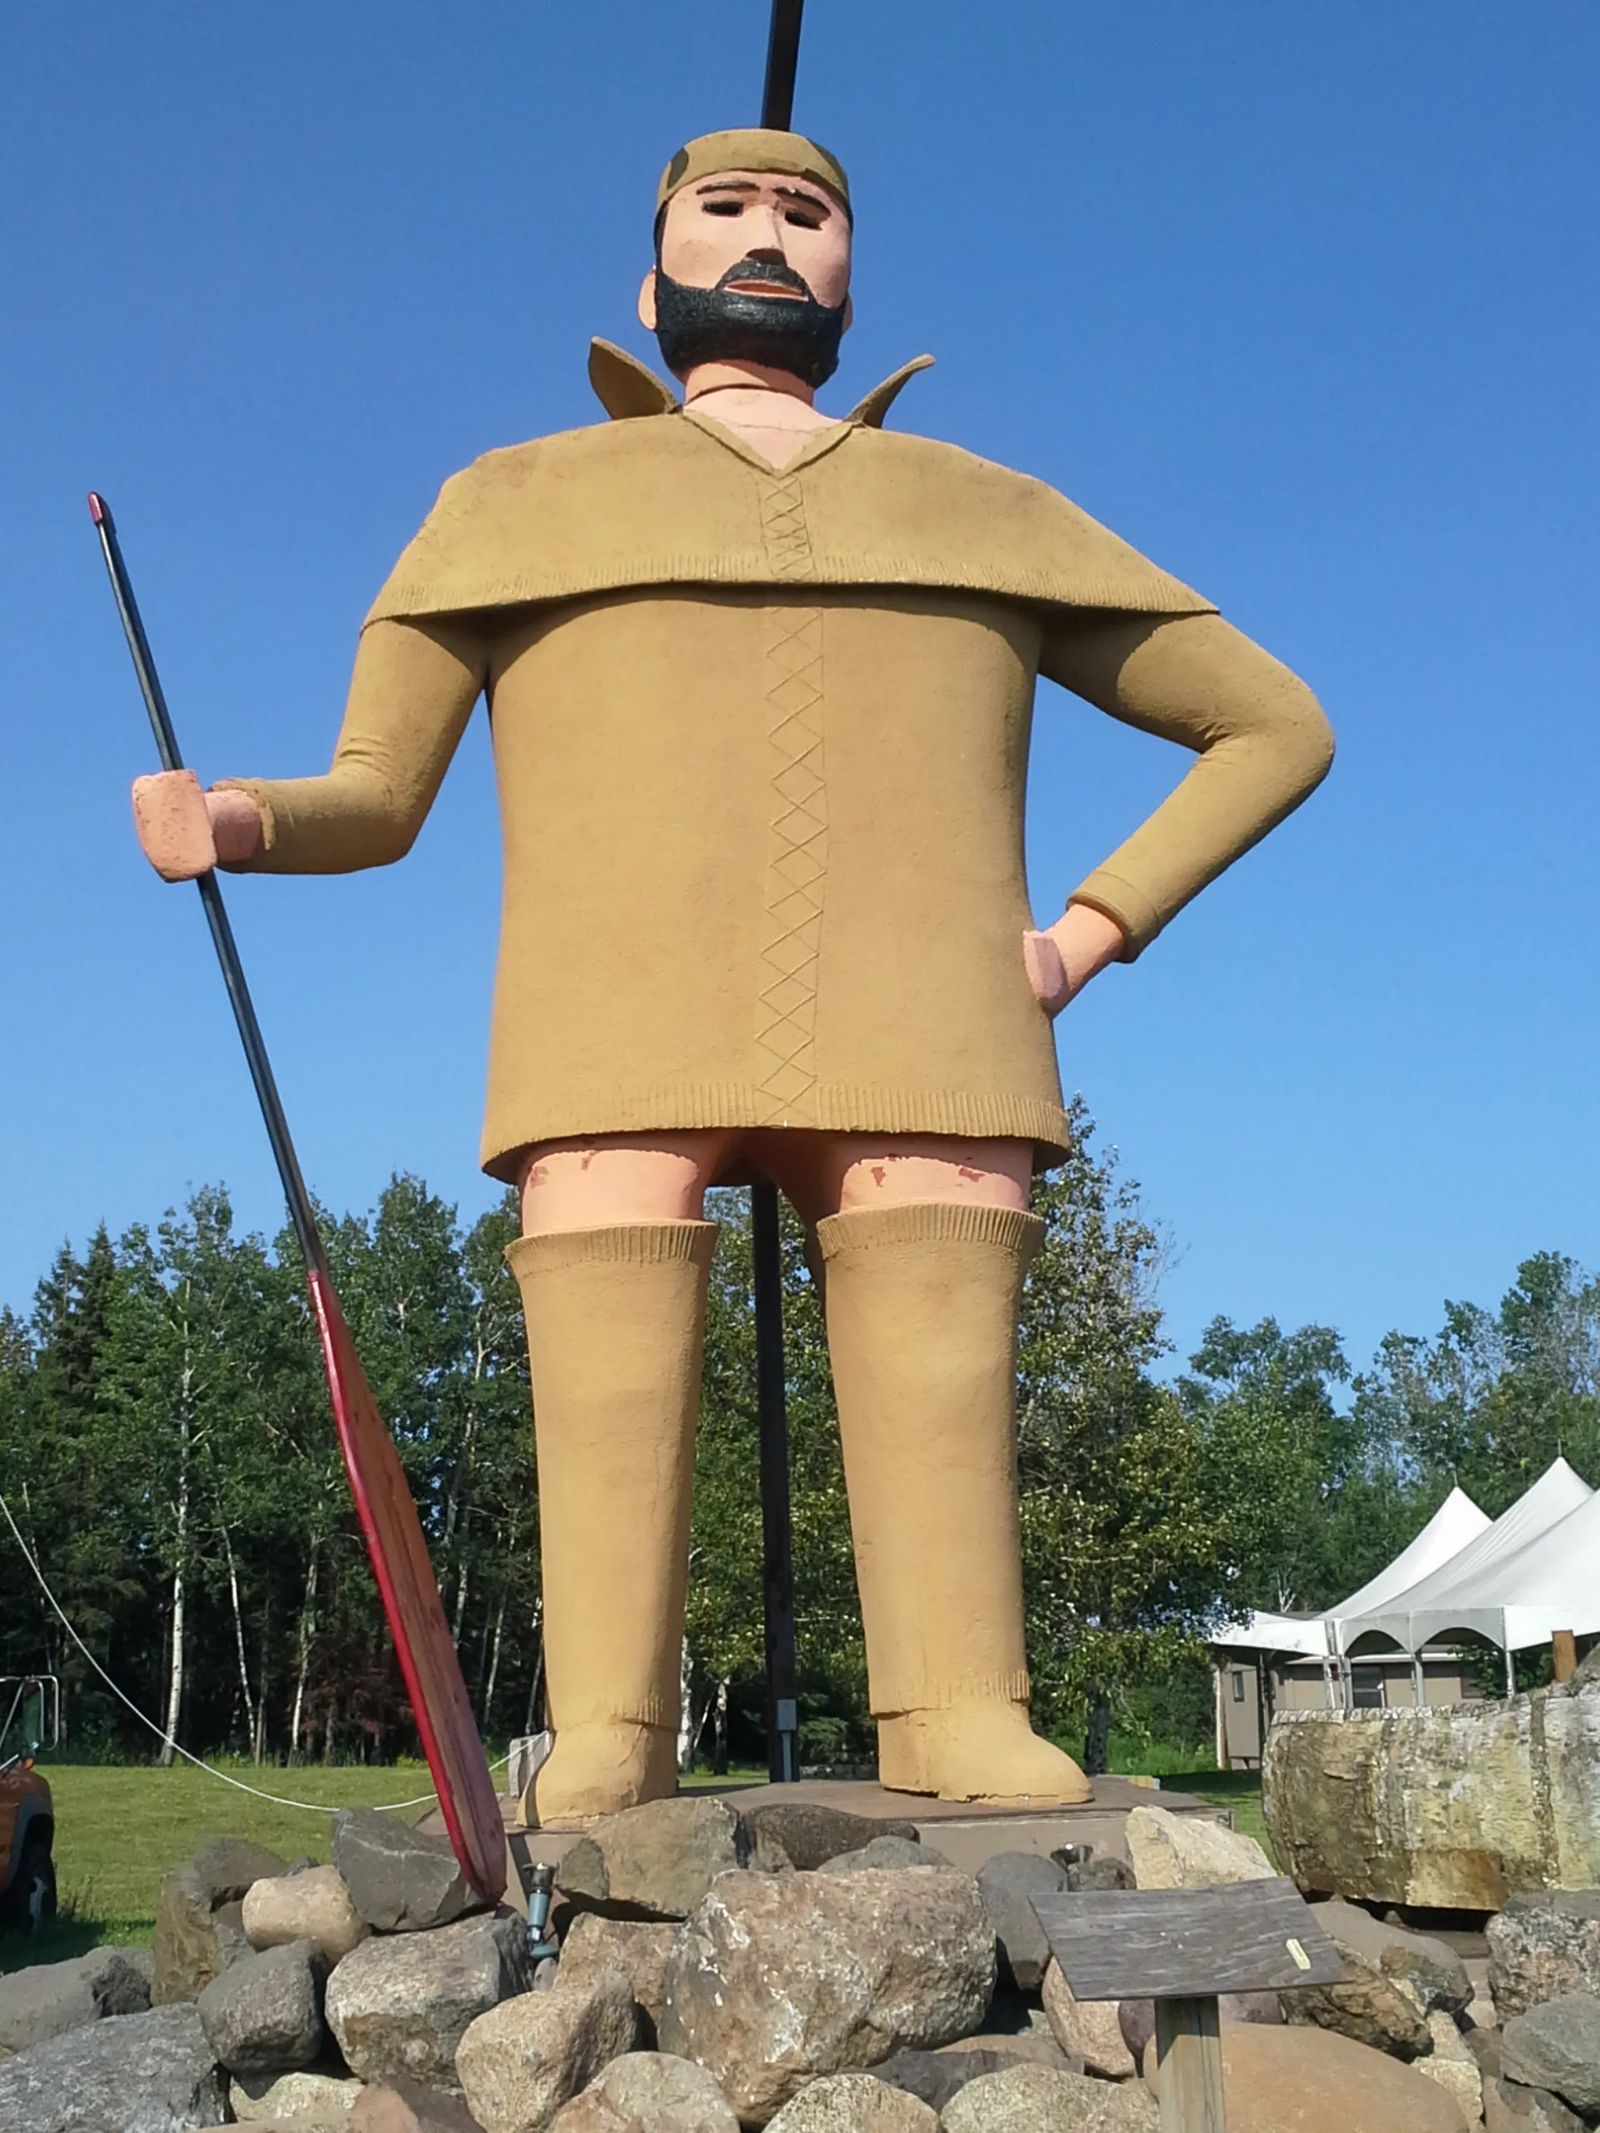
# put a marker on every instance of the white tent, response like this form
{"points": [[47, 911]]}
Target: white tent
{"points": [[1456, 1522], [1482, 1585], [1305, 1634]]}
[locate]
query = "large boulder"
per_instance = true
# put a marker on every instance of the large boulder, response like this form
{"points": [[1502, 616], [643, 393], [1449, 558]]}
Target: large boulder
{"points": [[1556, 2046], [314, 1905], [648, 2092], [136, 2073], [1008, 1884], [1033, 2099], [809, 1833], [264, 2013], [780, 1978], [1543, 1946], [400, 1879], [637, 1948], [1089, 2029], [1191, 1852], [520, 2062], [199, 1920], [44, 2001], [400, 2004], [1316, 2081], [854, 2103], [655, 1861], [1457, 1808]]}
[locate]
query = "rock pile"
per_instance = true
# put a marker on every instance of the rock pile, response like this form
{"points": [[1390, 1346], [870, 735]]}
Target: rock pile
{"points": [[793, 1968]]}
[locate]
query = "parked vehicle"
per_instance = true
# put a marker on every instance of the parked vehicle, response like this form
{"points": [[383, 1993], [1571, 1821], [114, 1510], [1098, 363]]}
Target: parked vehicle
{"points": [[32, 1707]]}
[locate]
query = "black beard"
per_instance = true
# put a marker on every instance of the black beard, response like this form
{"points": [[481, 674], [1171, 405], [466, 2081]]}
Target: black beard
{"points": [[794, 334]]}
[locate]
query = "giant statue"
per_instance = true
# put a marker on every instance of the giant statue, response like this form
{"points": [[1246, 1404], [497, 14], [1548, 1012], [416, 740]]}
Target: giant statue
{"points": [[759, 682]]}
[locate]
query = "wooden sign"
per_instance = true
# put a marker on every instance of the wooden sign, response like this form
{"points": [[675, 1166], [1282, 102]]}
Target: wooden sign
{"points": [[1182, 1944], [1182, 1948]]}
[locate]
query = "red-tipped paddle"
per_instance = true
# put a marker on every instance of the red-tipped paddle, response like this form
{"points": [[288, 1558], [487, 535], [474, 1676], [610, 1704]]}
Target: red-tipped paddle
{"points": [[383, 1499]]}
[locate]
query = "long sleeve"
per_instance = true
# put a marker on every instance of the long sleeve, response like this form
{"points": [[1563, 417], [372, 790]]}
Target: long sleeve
{"points": [[1262, 740], [411, 694]]}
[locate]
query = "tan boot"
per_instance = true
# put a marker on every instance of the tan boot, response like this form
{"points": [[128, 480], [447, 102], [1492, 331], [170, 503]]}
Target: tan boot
{"points": [[922, 1305], [616, 1331]]}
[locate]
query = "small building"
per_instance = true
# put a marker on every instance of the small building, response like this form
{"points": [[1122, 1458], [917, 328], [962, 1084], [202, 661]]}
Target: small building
{"points": [[1254, 1685]]}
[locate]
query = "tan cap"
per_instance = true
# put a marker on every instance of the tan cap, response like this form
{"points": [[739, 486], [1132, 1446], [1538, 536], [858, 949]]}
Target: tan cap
{"points": [[753, 148]]}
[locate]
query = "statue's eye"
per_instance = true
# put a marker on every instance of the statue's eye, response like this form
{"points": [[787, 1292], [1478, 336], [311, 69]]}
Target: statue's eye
{"points": [[801, 220], [722, 207]]}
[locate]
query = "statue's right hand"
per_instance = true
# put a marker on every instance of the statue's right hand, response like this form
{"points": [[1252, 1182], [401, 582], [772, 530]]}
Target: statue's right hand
{"points": [[184, 831]]}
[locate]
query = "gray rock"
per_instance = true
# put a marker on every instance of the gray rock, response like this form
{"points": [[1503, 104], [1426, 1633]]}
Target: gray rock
{"points": [[1510, 2108], [137, 2073], [313, 1904], [1008, 1884], [54, 1997], [294, 2098], [780, 1978], [264, 2014], [854, 2103], [1542, 1947], [1101, 1870], [520, 2062], [1430, 1974], [226, 1866], [810, 1833], [400, 2004], [1033, 2099], [648, 2092], [884, 1854], [655, 1861], [195, 1939], [637, 1948], [1191, 1852], [1556, 2046], [401, 1879], [934, 2077]]}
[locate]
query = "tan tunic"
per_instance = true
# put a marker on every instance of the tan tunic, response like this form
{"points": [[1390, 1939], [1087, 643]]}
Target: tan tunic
{"points": [[762, 808]]}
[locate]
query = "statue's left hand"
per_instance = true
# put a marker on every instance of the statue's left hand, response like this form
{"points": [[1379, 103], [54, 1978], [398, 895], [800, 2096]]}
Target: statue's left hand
{"points": [[1061, 959]]}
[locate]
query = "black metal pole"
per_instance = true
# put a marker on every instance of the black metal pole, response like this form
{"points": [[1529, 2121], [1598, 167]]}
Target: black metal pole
{"points": [[244, 1014], [783, 56], [772, 1417]]}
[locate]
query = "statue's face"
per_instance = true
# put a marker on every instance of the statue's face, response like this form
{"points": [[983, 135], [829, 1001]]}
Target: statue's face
{"points": [[754, 267], [758, 218]]}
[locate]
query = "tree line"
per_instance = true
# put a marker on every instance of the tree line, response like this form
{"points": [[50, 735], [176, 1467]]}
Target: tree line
{"points": [[167, 1452]]}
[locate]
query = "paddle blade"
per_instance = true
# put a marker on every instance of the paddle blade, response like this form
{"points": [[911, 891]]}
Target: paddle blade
{"points": [[410, 1593]]}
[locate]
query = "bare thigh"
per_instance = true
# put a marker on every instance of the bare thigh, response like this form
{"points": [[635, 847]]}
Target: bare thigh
{"points": [[619, 1177], [838, 1173]]}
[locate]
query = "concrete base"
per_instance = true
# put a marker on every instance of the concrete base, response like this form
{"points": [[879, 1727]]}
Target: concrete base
{"points": [[968, 1834]]}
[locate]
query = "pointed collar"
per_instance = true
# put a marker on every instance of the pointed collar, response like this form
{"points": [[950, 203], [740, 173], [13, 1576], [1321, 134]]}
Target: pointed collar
{"points": [[625, 387]]}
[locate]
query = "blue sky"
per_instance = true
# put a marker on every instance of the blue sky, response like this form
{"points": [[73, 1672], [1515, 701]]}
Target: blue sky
{"points": [[1299, 299]]}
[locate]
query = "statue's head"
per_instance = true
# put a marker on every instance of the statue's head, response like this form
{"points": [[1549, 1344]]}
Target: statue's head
{"points": [[752, 255]]}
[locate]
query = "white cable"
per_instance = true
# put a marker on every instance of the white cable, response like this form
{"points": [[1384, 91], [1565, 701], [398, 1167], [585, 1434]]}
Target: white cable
{"points": [[312, 1807]]}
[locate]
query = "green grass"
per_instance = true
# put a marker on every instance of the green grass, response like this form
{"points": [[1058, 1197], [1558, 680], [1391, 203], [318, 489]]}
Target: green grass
{"points": [[120, 1829]]}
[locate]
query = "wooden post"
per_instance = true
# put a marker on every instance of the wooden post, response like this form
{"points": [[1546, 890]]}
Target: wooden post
{"points": [[1563, 1655], [1189, 2066]]}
